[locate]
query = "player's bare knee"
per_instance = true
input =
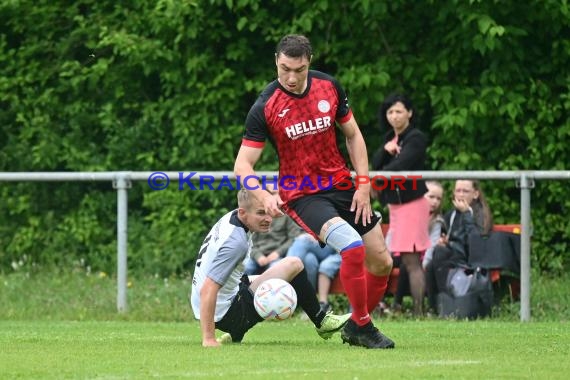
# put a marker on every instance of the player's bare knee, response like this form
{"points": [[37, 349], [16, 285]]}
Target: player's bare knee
{"points": [[295, 264], [378, 264], [387, 262]]}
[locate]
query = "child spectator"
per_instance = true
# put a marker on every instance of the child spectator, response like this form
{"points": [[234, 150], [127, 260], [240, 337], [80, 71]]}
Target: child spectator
{"points": [[436, 222]]}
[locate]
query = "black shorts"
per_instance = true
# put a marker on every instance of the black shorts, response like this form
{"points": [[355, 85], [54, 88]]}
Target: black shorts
{"points": [[241, 316], [313, 211]]}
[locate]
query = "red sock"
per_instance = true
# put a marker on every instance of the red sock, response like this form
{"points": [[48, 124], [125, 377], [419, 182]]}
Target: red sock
{"points": [[354, 282], [376, 287]]}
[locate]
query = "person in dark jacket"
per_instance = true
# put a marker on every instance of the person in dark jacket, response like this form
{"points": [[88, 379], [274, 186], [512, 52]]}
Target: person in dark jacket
{"points": [[404, 149], [470, 214]]}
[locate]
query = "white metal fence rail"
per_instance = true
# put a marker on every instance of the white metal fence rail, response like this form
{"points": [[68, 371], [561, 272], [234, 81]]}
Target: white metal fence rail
{"points": [[122, 182]]}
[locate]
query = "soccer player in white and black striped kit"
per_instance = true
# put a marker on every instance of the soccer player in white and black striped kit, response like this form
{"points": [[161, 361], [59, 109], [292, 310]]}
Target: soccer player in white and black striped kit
{"points": [[222, 296]]}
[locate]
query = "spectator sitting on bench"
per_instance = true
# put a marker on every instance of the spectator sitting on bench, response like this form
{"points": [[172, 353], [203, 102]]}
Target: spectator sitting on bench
{"points": [[470, 213], [437, 225]]}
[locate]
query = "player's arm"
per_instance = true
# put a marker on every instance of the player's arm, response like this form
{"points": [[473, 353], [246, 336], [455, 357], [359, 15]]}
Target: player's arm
{"points": [[244, 168], [359, 159], [208, 296]]}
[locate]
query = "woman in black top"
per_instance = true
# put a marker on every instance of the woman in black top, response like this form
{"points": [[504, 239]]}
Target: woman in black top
{"points": [[404, 149]]}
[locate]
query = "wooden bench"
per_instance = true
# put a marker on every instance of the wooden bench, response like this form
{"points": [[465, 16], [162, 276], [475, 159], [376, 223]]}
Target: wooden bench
{"points": [[337, 288]]}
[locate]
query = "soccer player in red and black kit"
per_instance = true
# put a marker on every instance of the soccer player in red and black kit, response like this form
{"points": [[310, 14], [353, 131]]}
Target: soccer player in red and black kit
{"points": [[298, 113]]}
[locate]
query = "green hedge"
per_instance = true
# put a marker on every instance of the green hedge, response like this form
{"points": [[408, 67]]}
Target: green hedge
{"points": [[166, 85]]}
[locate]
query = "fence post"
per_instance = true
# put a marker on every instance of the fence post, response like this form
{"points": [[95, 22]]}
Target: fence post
{"points": [[122, 183], [525, 184]]}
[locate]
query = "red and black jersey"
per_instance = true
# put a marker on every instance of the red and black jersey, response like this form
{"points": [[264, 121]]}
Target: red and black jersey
{"points": [[302, 129]]}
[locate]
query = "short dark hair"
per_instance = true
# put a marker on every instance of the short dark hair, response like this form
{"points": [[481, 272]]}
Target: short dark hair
{"points": [[295, 46], [389, 102]]}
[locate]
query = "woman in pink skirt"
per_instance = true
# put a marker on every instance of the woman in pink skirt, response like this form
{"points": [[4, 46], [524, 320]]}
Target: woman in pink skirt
{"points": [[404, 149]]}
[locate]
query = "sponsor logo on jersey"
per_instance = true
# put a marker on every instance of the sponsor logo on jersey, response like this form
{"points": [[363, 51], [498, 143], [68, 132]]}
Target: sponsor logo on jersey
{"points": [[282, 113], [309, 127], [324, 106]]}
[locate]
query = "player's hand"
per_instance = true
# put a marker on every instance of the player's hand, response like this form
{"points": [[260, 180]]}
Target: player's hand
{"points": [[392, 148], [361, 203], [272, 205], [210, 343]]}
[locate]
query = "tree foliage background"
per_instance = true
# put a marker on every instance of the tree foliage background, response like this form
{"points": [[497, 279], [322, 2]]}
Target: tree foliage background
{"points": [[165, 85]]}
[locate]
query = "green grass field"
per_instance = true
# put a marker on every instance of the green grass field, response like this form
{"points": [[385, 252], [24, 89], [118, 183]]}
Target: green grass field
{"points": [[65, 326], [290, 350]]}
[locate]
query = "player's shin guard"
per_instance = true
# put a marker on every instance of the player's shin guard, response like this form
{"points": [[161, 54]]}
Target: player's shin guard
{"points": [[375, 287], [354, 282]]}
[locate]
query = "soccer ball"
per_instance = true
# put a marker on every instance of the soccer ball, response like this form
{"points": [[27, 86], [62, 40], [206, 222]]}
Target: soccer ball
{"points": [[275, 299]]}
